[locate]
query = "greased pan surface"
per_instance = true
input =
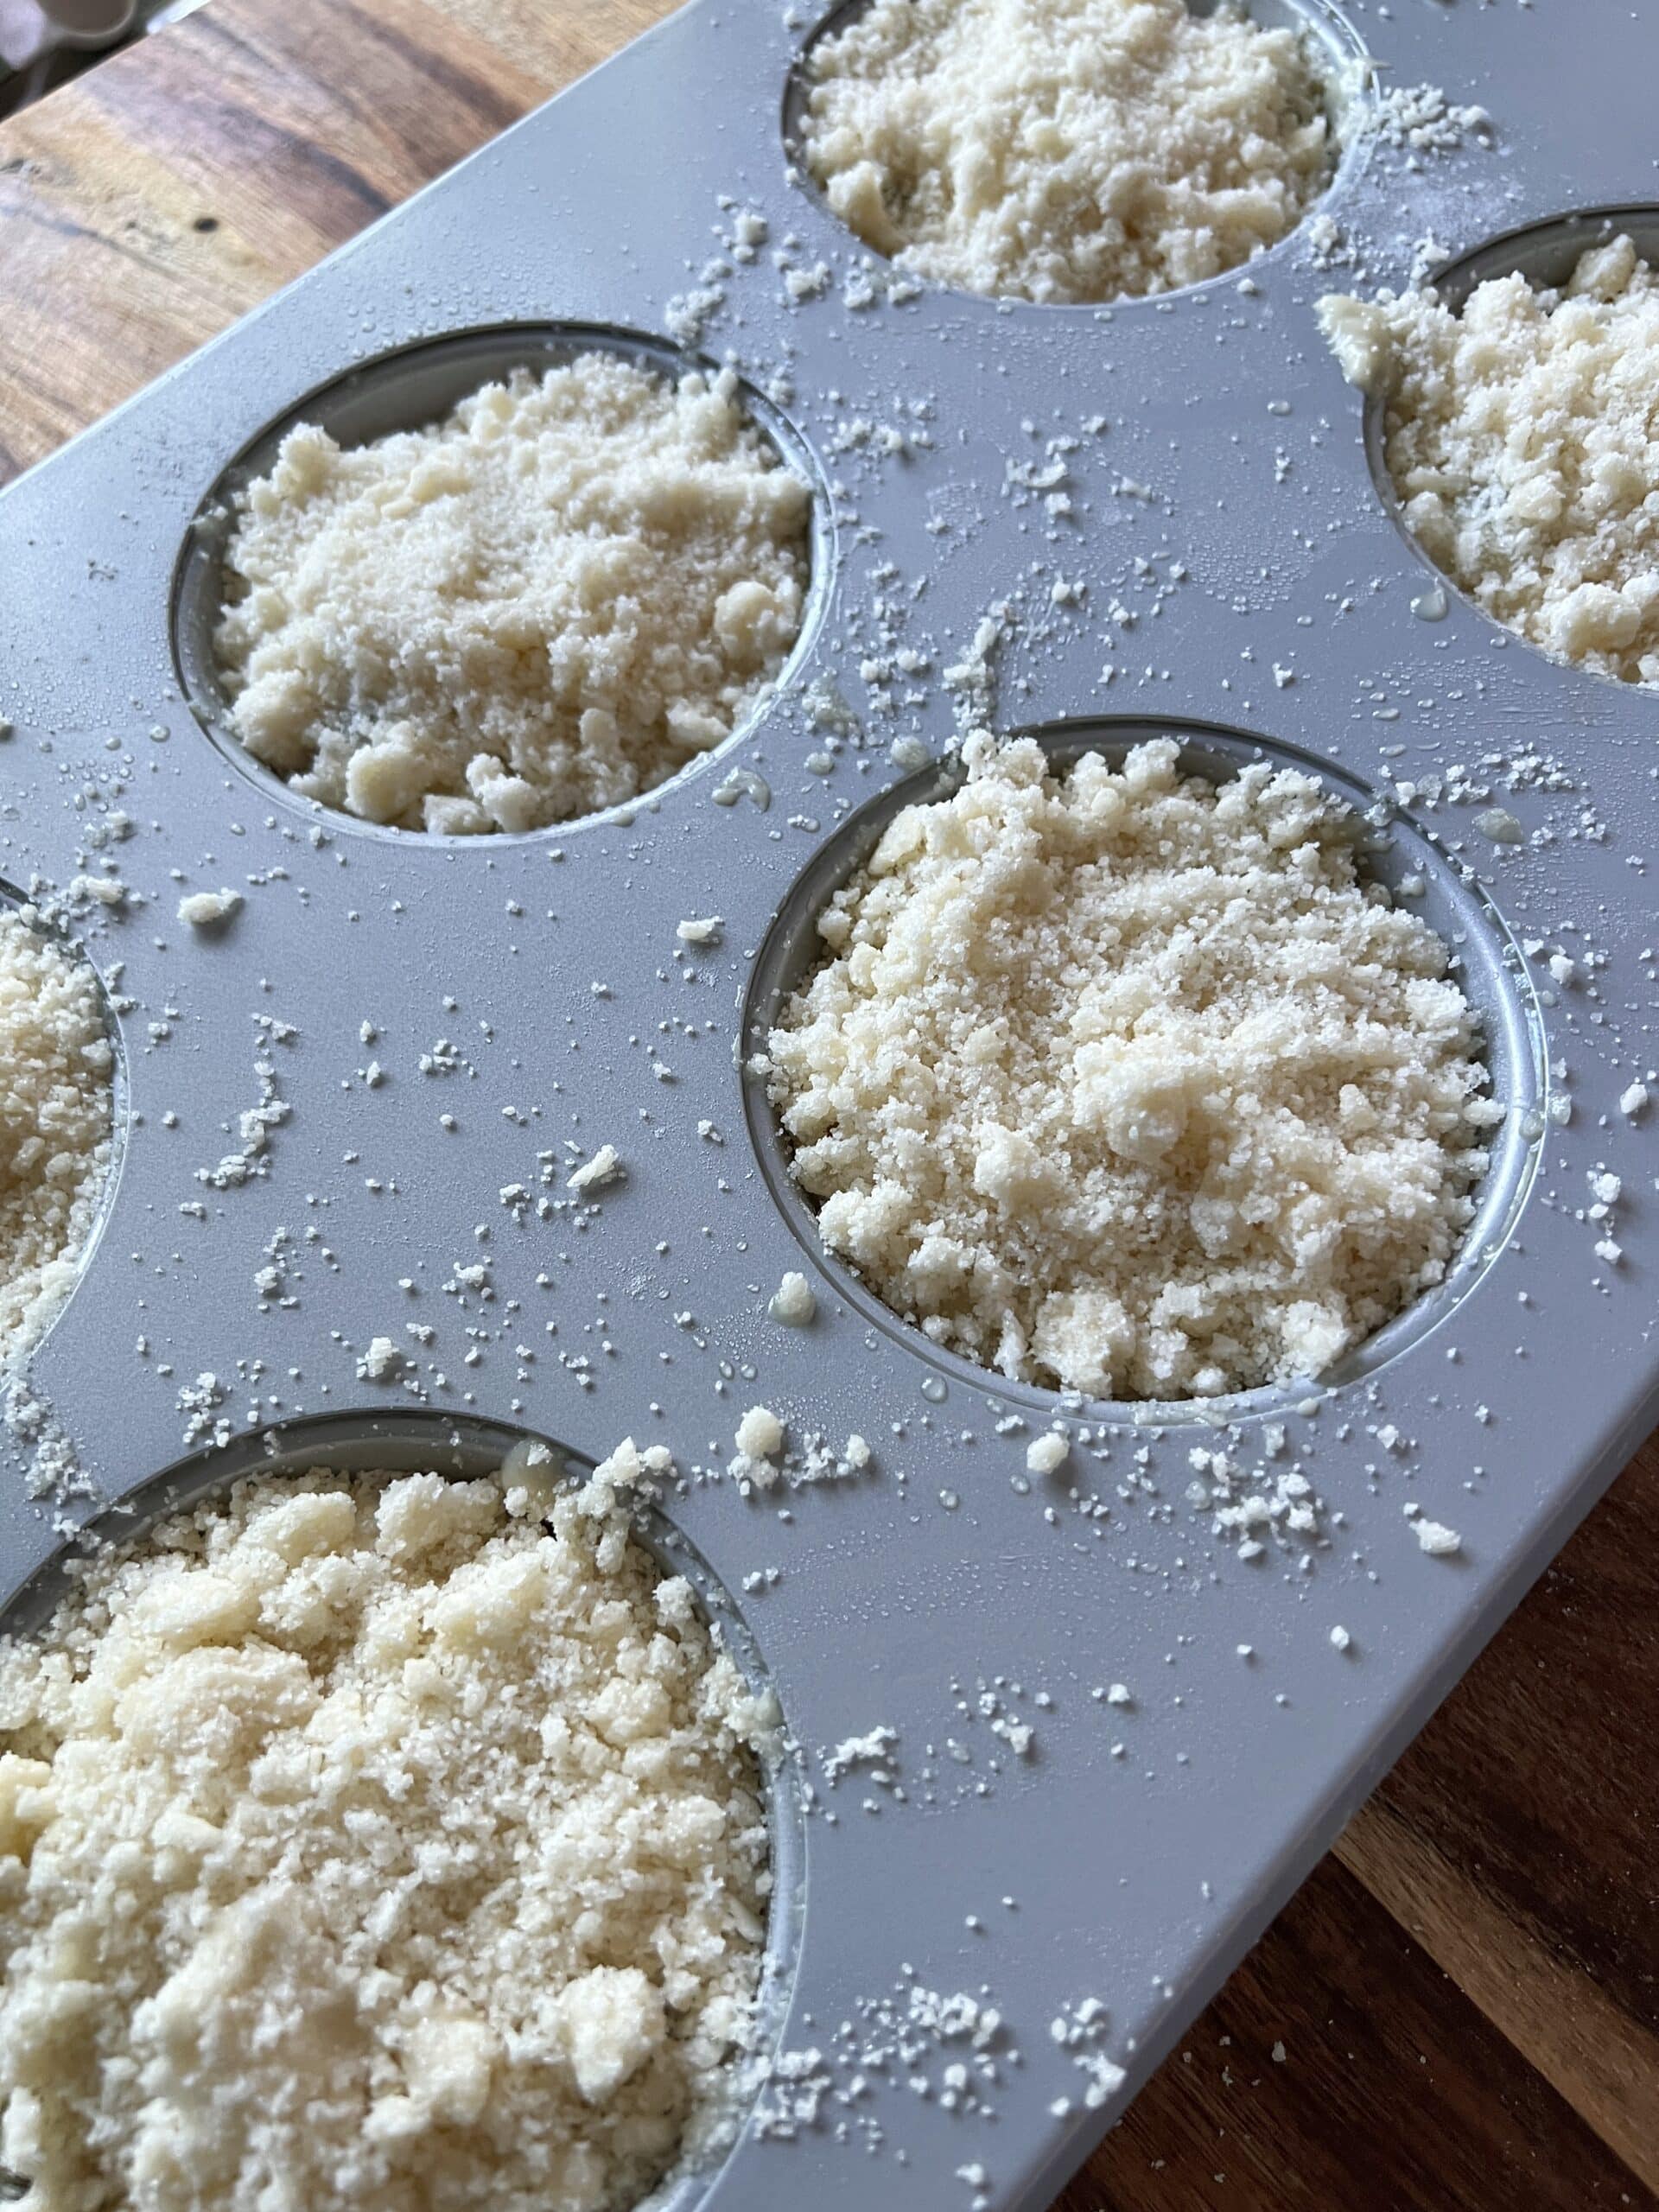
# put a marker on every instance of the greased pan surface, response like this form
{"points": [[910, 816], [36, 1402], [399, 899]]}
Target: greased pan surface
{"points": [[1231, 450]]}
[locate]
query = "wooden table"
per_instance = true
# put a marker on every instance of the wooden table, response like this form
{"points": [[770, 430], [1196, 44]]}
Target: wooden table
{"points": [[1466, 1992]]}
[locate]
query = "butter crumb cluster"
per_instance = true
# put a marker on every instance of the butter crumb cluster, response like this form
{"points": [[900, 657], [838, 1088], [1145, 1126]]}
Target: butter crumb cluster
{"points": [[381, 1841], [1119, 1080]]}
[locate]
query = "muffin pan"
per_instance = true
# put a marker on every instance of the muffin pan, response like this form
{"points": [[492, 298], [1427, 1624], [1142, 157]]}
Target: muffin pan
{"points": [[532, 990]]}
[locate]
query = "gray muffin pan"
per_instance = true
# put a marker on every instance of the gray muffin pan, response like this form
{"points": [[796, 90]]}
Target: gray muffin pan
{"points": [[1135, 1850]]}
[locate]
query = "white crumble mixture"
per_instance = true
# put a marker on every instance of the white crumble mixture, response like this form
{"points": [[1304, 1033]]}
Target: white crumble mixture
{"points": [[1124, 1080], [543, 604], [1521, 437], [1066, 150], [366, 1842], [57, 1067]]}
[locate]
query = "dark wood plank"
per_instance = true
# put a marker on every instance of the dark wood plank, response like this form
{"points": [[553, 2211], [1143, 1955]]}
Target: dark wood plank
{"points": [[1395, 2093], [146, 205], [1518, 1839]]}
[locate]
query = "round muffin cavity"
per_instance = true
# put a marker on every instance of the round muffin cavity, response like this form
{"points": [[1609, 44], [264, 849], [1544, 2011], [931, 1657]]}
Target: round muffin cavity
{"points": [[57, 1067], [1521, 436], [542, 605], [1123, 1080], [1066, 150], [380, 1842]]}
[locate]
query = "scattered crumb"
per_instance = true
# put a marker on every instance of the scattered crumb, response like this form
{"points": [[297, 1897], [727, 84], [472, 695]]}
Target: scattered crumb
{"points": [[759, 1433], [871, 1749], [209, 910], [382, 1359], [605, 1166], [1046, 1453], [1436, 1538], [793, 1302]]}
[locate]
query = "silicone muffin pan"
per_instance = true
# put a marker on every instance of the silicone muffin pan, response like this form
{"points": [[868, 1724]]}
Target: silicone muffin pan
{"points": [[1064, 1742]]}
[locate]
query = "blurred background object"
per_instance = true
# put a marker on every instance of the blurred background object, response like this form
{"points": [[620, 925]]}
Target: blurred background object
{"points": [[43, 43]]}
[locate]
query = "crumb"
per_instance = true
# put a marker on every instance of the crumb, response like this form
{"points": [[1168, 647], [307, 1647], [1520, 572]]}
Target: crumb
{"points": [[605, 1166], [1046, 1453], [1436, 1538], [381, 1360], [759, 1433], [209, 910]]}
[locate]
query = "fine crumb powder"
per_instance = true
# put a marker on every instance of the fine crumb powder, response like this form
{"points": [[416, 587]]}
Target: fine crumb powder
{"points": [[545, 604], [1127, 1081], [381, 1842], [1066, 150], [56, 1070], [1520, 435]]}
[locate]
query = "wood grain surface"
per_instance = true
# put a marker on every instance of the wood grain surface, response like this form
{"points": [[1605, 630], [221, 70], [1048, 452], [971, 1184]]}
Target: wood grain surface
{"points": [[1467, 1994]]}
